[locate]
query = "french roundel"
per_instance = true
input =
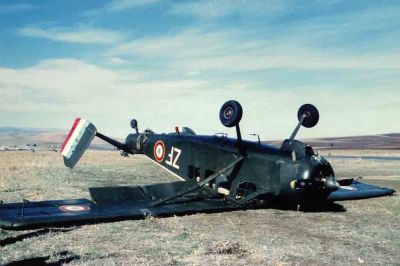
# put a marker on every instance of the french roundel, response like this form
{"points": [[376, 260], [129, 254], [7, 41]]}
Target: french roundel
{"points": [[74, 208], [159, 151]]}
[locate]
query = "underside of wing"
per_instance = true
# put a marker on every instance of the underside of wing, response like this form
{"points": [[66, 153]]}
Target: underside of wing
{"points": [[115, 203], [352, 190]]}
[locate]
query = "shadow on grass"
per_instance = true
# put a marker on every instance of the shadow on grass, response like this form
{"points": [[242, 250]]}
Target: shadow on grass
{"points": [[306, 207], [309, 206], [66, 257], [12, 240]]}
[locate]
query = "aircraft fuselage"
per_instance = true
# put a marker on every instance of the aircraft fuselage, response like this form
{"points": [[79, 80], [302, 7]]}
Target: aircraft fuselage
{"points": [[266, 171]]}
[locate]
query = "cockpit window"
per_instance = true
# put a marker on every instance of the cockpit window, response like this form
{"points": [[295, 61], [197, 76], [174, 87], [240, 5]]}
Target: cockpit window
{"points": [[183, 131], [308, 150]]}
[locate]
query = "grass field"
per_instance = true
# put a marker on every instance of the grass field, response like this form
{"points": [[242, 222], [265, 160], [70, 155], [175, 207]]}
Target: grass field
{"points": [[368, 232]]}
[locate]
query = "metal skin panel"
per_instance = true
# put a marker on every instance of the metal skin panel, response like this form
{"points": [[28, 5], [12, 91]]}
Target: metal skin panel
{"points": [[135, 194], [212, 153], [358, 190]]}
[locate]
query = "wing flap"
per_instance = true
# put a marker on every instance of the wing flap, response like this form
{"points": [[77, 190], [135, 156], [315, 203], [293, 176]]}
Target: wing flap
{"points": [[357, 190], [135, 194]]}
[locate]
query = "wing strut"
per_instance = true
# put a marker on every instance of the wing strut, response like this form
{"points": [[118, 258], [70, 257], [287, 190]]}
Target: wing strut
{"points": [[200, 184]]}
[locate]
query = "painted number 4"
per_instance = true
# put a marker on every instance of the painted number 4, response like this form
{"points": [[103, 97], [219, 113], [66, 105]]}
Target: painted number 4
{"points": [[173, 157]]}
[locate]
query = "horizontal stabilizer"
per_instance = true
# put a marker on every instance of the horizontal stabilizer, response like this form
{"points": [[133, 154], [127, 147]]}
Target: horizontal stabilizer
{"points": [[357, 190], [78, 140]]}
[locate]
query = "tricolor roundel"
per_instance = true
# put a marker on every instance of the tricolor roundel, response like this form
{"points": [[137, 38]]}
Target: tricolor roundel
{"points": [[159, 151], [74, 208]]}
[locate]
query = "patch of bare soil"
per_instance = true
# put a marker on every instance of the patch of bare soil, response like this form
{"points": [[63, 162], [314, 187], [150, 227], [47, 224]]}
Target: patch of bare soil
{"points": [[226, 248]]}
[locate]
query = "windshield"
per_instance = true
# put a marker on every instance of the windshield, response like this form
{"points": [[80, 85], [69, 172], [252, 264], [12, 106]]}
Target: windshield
{"points": [[308, 150]]}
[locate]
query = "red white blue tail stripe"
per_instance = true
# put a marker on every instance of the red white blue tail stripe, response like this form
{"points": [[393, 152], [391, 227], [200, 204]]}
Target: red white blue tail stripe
{"points": [[77, 141]]}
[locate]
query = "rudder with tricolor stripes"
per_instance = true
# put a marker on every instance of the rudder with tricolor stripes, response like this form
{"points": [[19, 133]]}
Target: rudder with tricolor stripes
{"points": [[78, 140]]}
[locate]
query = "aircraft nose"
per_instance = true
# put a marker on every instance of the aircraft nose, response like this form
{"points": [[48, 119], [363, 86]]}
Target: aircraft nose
{"points": [[331, 183], [318, 177], [324, 177]]}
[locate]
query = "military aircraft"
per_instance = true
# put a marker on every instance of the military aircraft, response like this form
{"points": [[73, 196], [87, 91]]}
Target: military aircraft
{"points": [[219, 174]]}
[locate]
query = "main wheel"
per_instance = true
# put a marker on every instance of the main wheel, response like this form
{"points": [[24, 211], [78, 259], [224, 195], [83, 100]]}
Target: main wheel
{"points": [[231, 113], [311, 115]]}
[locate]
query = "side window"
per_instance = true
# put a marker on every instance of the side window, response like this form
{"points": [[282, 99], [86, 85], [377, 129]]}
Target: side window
{"points": [[190, 173], [208, 173], [245, 189], [309, 150], [193, 172]]}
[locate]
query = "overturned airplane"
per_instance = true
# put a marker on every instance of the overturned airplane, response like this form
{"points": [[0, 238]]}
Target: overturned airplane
{"points": [[219, 174]]}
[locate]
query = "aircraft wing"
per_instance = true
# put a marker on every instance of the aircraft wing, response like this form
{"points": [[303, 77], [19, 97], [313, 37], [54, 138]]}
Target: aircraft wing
{"points": [[116, 203], [351, 189]]}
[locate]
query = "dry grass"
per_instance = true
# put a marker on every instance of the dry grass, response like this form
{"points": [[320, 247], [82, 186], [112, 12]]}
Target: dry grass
{"points": [[369, 169], [377, 152], [368, 232]]}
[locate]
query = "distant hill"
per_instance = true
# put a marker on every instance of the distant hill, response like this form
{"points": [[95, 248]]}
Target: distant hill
{"points": [[25, 130], [42, 137], [389, 141], [10, 136]]}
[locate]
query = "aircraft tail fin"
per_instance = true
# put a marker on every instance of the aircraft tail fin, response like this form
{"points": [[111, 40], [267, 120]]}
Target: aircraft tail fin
{"points": [[78, 140]]}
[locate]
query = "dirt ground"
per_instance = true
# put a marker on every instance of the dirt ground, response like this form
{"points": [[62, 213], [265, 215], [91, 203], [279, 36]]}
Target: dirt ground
{"points": [[367, 232]]}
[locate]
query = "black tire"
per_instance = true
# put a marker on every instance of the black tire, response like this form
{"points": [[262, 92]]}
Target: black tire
{"points": [[312, 115], [231, 113], [134, 124]]}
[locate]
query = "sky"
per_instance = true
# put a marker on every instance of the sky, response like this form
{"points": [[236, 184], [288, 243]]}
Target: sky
{"points": [[174, 63]]}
